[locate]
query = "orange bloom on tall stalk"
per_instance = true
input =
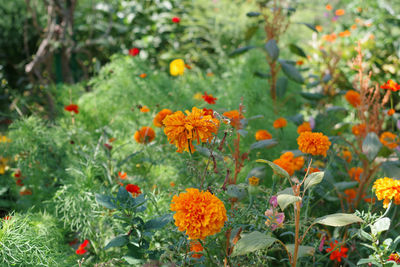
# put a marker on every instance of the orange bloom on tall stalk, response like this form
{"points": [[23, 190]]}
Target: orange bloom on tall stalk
{"points": [[182, 129], [289, 163], [347, 156], [158, 119], [144, 109], [336, 252], [359, 129], [195, 246], [353, 98], [304, 127], [391, 112], [210, 99], [198, 213], [355, 173], [345, 33], [318, 28], [339, 12], [143, 75], [177, 67], [234, 117], [387, 189], [280, 123], [328, 7], [313, 143], [144, 135], [262, 135], [350, 195], [72, 108], [389, 140], [391, 85]]}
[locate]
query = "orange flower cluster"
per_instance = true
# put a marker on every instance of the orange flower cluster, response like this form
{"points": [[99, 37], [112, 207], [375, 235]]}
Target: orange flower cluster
{"points": [[304, 127], [182, 129], [313, 143], [330, 37], [263, 135], [353, 98], [198, 213], [389, 140], [391, 112], [350, 195], [345, 33], [254, 180], [280, 123], [312, 170], [340, 12], [347, 156], [234, 117], [355, 173], [336, 252], [158, 119], [289, 163], [359, 129], [195, 246], [144, 135], [387, 189], [391, 85]]}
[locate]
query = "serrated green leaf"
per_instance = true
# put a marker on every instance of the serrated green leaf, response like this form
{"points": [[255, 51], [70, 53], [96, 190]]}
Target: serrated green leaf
{"points": [[252, 242], [278, 170], [338, 219]]}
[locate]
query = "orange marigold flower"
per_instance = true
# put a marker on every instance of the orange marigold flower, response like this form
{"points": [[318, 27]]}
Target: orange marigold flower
{"points": [[143, 75], [370, 200], [234, 117], [182, 129], [353, 98], [336, 252], [391, 112], [195, 246], [318, 28], [82, 247], [389, 140], [299, 62], [347, 156], [394, 257], [210, 99], [289, 163], [144, 109], [286, 165], [313, 143], [144, 135], [172, 184], [263, 135], [280, 123], [391, 85], [122, 175], [387, 189], [198, 213], [177, 67], [350, 195], [304, 127], [254, 181], [72, 108], [359, 129], [330, 37], [133, 189], [355, 173], [328, 7], [345, 33], [353, 27], [339, 12], [312, 170], [158, 119]]}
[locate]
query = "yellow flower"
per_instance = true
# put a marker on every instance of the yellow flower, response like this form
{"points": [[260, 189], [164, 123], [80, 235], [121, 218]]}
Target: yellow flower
{"points": [[254, 181], [3, 165], [198, 213], [4, 139], [387, 189], [313, 143], [389, 140], [198, 96], [182, 129], [177, 67], [304, 127]]}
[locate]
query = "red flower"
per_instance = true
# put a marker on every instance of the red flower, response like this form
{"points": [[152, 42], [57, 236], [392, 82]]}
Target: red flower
{"points": [[176, 20], [81, 250], [108, 146], [72, 108], [17, 174], [134, 51], [7, 217], [122, 175], [210, 99], [19, 182], [394, 257], [133, 189], [336, 253], [391, 85], [208, 111], [73, 242]]}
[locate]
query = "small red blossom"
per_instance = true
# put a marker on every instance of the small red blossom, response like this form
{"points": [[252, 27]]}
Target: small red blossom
{"points": [[19, 182], [108, 146], [134, 51], [17, 174], [7, 218], [210, 99], [133, 189], [391, 85], [25, 192], [188, 66], [208, 111], [72, 108], [81, 249], [394, 257], [176, 20], [336, 252], [122, 175], [73, 242]]}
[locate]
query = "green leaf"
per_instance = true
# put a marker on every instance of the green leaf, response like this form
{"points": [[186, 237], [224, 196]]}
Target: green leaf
{"points": [[281, 87], [309, 26], [286, 191], [125, 160], [253, 14], [297, 50], [123, 196], [272, 49], [278, 170], [241, 50], [371, 145], [239, 191], [345, 185], [371, 259], [264, 144], [118, 241], [312, 96], [338, 219], [131, 260], [252, 242], [380, 226], [262, 75], [302, 252], [105, 201], [313, 179], [285, 200], [291, 72], [158, 222]]}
